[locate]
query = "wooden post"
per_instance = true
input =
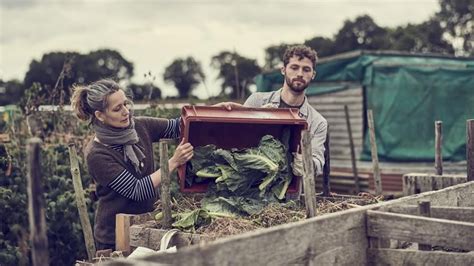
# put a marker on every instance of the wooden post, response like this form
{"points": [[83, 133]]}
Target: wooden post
{"points": [[327, 167], [36, 210], [165, 185], [438, 145], [308, 177], [122, 232], [424, 209], [375, 158], [351, 145], [470, 149], [81, 202]]}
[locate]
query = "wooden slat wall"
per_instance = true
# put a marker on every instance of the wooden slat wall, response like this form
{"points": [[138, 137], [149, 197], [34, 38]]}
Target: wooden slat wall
{"points": [[289, 244], [418, 229], [331, 106], [414, 257]]}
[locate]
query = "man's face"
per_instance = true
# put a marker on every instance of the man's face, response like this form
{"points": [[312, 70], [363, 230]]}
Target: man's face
{"points": [[298, 73]]}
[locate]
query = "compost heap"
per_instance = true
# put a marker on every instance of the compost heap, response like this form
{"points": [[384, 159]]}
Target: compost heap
{"points": [[240, 182], [246, 189]]}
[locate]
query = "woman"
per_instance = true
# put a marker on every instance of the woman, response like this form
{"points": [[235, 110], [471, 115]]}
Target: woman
{"points": [[120, 157]]}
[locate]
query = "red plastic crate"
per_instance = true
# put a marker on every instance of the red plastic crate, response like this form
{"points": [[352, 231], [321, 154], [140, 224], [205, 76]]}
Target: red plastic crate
{"points": [[239, 128]]}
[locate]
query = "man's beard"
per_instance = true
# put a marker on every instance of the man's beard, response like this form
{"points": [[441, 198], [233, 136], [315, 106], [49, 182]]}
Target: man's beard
{"points": [[296, 88]]}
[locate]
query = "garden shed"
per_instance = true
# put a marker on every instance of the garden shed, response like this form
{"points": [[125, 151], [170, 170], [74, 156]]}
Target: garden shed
{"points": [[407, 93]]}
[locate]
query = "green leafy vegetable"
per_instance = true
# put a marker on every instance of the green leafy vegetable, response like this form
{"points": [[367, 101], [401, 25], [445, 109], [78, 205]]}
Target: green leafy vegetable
{"points": [[241, 182]]}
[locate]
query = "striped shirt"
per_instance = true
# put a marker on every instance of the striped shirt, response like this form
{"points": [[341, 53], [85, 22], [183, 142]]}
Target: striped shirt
{"points": [[133, 188], [129, 186], [172, 130]]}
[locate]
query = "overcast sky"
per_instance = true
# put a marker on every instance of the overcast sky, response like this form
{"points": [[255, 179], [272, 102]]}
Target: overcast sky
{"points": [[151, 34]]}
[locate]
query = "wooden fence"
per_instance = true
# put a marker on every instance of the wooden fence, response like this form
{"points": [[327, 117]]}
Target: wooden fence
{"points": [[343, 238]]}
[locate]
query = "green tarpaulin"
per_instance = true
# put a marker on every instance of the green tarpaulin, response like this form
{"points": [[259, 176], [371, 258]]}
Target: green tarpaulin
{"points": [[407, 94]]}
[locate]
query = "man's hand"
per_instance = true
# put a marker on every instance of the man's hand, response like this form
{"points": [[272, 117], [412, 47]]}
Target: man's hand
{"points": [[297, 164], [229, 105]]}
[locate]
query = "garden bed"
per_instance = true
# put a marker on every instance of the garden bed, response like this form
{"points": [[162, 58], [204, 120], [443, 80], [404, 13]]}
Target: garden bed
{"points": [[348, 237], [145, 231]]}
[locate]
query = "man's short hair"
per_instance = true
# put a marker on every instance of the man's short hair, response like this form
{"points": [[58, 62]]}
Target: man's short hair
{"points": [[301, 51]]}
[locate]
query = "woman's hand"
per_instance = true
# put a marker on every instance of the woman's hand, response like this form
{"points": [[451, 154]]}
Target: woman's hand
{"points": [[183, 153]]}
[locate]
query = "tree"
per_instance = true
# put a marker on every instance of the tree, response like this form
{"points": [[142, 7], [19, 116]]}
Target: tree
{"points": [[47, 72], [104, 63], [456, 18], [61, 70], [424, 37], [147, 91], [323, 46], [362, 33], [186, 74], [274, 56], [237, 73], [10, 92]]}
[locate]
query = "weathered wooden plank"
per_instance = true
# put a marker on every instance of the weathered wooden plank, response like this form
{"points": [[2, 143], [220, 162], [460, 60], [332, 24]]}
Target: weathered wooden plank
{"points": [[338, 100], [328, 108], [438, 146], [283, 245], [374, 153], [341, 121], [340, 113], [167, 220], [122, 232], [141, 218], [357, 128], [36, 210], [424, 209], [327, 167], [424, 183], [309, 185], [344, 141], [413, 257], [421, 182], [420, 229], [347, 181], [438, 182], [343, 149], [351, 146], [462, 214], [409, 185], [354, 89], [470, 149], [461, 195], [81, 202]]}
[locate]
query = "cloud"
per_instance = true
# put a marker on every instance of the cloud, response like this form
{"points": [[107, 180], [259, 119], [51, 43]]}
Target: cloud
{"points": [[12, 4], [151, 34]]}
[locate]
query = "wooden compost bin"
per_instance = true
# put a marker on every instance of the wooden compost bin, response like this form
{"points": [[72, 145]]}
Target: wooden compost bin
{"points": [[350, 237]]}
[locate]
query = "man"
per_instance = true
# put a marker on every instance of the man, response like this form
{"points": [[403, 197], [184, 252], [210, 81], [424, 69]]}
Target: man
{"points": [[298, 69]]}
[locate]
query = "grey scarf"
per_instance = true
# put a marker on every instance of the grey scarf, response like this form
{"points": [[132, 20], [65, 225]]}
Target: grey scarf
{"points": [[124, 136]]}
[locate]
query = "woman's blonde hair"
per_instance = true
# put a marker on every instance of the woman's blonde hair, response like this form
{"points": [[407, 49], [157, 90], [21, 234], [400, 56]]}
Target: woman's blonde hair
{"points": [[86, 99]]}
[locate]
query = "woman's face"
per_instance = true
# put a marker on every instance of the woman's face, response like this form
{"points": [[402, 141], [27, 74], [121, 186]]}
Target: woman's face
{"points": [[117, 112]]}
